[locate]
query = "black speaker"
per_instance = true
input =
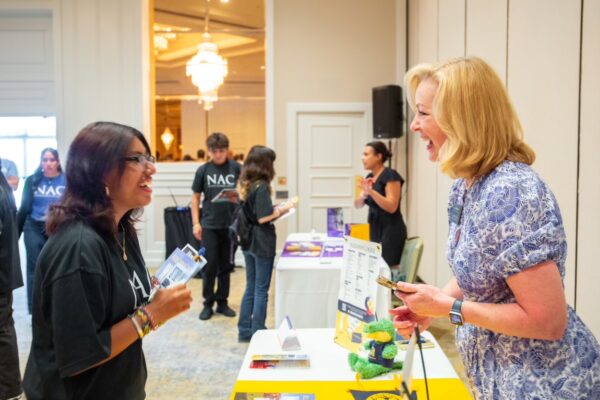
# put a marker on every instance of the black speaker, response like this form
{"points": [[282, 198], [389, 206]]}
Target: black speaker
{"points": [[387, 112]]}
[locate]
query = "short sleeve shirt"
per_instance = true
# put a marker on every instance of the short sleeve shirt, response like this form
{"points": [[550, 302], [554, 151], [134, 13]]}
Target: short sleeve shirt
{"points": [[387, 175], [47, 192], [263, 235], [210, 179], [8, 168], [82, 288], [506, 222]]}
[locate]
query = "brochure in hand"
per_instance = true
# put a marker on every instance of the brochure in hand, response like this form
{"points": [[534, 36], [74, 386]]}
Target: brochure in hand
{"points": [[180, 267], [227, 196]]}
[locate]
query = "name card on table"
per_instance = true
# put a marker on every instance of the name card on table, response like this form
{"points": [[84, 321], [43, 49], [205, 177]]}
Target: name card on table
{"points": [[287, 335]]}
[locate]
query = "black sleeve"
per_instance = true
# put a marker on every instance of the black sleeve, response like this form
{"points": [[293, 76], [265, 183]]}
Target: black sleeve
{"points": [[77, 303], [393, 176], [26, 205], [198, 184], [263, 206]]}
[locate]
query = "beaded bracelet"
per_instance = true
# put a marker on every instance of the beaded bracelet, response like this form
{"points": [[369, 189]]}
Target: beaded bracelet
{"points": [[153, 325], [146, 324], [137, 326]]}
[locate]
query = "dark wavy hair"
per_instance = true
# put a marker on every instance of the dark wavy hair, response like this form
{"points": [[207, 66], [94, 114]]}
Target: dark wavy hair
{"points": [[97, 150], [258, 166], [39, 171], [380, 148]]}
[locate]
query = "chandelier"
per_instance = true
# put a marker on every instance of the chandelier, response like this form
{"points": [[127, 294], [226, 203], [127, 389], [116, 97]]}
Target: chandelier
{"points": [[207, 68]]}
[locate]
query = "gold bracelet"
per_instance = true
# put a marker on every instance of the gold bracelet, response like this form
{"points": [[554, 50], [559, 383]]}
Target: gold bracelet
{"points": [[146, 324], [137, 326]]}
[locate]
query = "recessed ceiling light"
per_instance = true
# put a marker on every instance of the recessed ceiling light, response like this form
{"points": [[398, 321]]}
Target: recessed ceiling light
{"points": [[224, 1], [262, 67]]}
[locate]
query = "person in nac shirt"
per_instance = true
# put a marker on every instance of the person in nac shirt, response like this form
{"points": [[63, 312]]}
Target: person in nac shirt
{"points": [[92, 298], [213, 229], [10, 279], [42, 189]]}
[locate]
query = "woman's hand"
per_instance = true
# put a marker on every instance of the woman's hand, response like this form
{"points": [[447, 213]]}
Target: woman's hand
{"points": [[367, 186], [425, 300], [170, 302], [405, 321]]}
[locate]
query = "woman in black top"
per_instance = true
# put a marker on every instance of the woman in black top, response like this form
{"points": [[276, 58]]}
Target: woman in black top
{"points": [[255, 191], [93, 298], [381, 191]]}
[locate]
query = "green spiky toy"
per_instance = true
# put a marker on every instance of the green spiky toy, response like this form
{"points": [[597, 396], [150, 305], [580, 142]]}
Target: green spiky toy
{"points": [[382, 350]]}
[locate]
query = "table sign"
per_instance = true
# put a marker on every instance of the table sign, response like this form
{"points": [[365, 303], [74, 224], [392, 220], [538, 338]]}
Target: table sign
{"points": [[362, 263], [287, 335], [335, 222]]}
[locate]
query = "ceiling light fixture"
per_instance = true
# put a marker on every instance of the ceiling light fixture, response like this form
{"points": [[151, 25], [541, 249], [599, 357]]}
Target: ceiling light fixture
{"points": [[207, 68]]}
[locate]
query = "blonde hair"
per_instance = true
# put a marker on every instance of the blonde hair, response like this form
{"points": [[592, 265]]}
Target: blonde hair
{"points": [[471, 106]]}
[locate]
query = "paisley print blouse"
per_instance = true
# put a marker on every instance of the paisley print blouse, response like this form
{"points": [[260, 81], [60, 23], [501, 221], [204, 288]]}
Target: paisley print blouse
{"points": [[505, 223]]}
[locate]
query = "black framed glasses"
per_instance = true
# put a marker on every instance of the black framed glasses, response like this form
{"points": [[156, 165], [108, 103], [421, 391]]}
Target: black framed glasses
{"points": [[141, 159]]}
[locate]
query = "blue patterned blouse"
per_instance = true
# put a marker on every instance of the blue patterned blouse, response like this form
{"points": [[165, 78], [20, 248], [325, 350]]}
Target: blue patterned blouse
{"points": [[510, 221]]}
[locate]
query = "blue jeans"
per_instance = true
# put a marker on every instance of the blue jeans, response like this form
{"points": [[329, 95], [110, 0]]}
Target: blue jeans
{"points": [[253, 311], [35, 239]]}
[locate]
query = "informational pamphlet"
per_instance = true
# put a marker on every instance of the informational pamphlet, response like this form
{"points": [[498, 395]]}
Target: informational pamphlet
{"points": [[358, 291], [335, 222], [281, 360], [274, 396], [180, 267], [227, 195]]}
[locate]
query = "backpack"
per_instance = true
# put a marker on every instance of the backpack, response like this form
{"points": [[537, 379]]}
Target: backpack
{"points": [[240, 230]]}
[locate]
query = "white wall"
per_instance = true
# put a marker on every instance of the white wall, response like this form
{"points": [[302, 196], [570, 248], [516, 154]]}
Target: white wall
{"points": [[534, 45]]}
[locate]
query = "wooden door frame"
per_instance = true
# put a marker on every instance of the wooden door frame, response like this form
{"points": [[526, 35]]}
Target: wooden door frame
{"points": [[294, 110]]}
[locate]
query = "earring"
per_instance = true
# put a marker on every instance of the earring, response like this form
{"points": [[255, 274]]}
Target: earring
{"points": [[107, 191]]}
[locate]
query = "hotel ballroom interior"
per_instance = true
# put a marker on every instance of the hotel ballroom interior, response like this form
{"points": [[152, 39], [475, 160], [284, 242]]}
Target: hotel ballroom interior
{"points": [[300, 78]]}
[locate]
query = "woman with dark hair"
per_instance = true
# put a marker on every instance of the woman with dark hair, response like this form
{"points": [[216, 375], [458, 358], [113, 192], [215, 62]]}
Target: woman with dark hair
{"points": [[255, 192], [93, 299], [42, 189], [381, 191]]}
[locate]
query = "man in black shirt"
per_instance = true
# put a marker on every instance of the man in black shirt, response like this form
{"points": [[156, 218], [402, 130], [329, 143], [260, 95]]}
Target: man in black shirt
{"points": [[10, 279], [211, 178]]}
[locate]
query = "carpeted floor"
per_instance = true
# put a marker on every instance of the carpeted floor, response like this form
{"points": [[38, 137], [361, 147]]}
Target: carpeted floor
{"points": [[192, 359]]}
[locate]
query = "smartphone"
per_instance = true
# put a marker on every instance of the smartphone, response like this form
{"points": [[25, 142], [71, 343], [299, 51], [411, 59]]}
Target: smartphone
{"points": [[383, 281]]}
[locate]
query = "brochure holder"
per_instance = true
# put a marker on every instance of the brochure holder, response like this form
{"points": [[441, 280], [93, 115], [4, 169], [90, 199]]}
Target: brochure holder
{"points": [[287, 336]]}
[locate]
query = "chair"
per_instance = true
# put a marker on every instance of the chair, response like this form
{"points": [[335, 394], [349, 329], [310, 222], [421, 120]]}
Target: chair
{"points": [[410, 260]]}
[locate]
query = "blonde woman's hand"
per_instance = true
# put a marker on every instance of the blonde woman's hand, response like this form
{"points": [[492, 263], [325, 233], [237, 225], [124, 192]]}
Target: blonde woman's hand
{"points": [[405, 321], [168, 303], [424, 300]]}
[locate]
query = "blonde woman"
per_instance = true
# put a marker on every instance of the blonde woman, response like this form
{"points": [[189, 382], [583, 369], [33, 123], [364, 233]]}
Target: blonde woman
{"points": [[517, 336]]}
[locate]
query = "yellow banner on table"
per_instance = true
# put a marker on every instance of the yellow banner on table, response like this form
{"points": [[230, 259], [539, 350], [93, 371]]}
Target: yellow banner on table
{"points": [[327, 390]]}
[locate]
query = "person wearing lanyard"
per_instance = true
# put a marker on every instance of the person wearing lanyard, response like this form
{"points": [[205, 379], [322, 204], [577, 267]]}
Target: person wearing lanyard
{"points": [[517, 336]]}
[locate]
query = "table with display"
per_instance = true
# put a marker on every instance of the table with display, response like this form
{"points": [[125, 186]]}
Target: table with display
{"points": [[330, 377], [307, 286]]}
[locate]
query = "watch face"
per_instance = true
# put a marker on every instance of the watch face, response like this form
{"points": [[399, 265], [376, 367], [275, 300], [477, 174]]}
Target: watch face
{"points": [[456, 318]]}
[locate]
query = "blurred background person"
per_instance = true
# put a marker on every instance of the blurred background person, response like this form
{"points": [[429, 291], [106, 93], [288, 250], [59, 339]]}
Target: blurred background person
{"points": [[382, 191], [255, 192], [41, 190], [10, 172], [211, 225], [93, 299], [10, 279]]}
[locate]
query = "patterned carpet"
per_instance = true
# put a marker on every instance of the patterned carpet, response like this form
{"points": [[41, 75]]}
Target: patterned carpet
{"points": [[192, 359]]}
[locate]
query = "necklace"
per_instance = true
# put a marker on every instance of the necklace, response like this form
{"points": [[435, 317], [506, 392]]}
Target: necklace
{"points": [[122, 246]]}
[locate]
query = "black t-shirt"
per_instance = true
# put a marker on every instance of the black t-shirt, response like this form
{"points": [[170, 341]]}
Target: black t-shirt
{"points": [[82, 288], [386, 176], [263, 235], [210, 179], [10, 265]]}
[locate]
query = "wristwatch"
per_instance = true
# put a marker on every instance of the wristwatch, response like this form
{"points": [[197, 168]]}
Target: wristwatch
{"points": [[456, 316]]}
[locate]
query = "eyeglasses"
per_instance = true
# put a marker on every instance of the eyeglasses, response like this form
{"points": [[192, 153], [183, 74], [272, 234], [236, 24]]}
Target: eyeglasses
{"points": [[141, 159]]}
